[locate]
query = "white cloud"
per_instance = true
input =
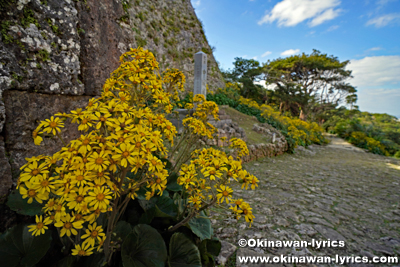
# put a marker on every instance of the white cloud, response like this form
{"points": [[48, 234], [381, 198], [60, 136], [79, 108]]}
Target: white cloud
{"points": [[384, 20], [379, 100], [375, 71], [375, 49], [332, 28], [290, 52], [266, 54], [384, 2], [292, 12], [255, 58], [196, 2]]}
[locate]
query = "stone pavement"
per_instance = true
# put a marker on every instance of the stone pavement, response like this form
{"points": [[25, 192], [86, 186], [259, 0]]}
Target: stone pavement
{"points": [[321, 193]]}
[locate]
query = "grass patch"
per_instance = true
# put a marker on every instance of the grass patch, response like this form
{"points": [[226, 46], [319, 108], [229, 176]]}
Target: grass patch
{"points": [[246, 122]]}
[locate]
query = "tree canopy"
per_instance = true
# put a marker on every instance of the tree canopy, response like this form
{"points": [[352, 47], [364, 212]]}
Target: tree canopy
{"points": [[310, 84]]}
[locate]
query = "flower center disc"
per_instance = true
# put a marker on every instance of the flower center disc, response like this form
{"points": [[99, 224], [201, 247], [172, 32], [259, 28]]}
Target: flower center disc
{"points": [[99, 161], [125, 154], [67, 225], [32, 193], [100, 197], [94, 233]]}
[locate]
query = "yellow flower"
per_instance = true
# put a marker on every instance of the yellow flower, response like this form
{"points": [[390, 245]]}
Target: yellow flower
{"points": [[248, 214], [31, 193], [83, 250], [37, 139], [69, 225], [33, 172], [92, 234], [40, 226], [212, 173], [44, 185], [99, 198], [53, 125], [76, 198], [98, 161], [225, 193], [125, 154], [154, 163]]}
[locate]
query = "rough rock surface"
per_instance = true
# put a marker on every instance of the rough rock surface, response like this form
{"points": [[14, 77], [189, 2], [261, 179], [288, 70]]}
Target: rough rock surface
{"points": [[24, 112], [54, 52], [5, 173], [336, 194]]}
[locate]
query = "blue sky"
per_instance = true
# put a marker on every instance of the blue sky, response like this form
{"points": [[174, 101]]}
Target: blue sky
{"points": [[366, 32]]}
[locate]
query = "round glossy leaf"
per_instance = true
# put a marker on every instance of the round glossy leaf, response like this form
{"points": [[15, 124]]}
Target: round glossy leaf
{"points": [[183, 252], [144, 247], [19, 248], [165, 207], [21, 206], [122, 230], [201, 226]]}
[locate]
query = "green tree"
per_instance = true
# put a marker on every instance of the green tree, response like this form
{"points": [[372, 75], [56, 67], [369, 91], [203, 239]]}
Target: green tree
{"points": [[247, 72], [313, 83]]}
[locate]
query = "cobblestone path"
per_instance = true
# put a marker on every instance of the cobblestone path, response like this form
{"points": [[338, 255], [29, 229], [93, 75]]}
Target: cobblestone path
{"points": [[325, 192]]}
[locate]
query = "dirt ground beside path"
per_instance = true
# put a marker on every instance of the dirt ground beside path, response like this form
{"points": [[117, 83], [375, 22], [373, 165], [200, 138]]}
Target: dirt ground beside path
{"points": [[324, 192]]}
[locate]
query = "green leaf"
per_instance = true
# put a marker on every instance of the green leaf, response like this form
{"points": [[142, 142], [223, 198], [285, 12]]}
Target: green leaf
{"points": [[165, 207], [144, 247], [19, 248], [21, 206], [201, 226], [147, 216], [213, 246], [182, 252], [94, 260], [122, 230], [172, 183], [148, 204], [67, 261]]}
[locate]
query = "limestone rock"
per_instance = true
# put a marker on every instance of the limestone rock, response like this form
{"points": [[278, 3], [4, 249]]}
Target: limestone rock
{"points": [[227, 250], [5, 173], [24, 112]]}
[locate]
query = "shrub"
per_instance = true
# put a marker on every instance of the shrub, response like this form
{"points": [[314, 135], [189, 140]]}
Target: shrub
{"points": [[128, 190]]}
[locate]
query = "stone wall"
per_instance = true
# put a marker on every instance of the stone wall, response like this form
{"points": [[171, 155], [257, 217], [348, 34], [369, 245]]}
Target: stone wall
{"points": [[278, 145], [56, 54], [227, 129]]}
